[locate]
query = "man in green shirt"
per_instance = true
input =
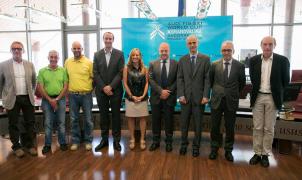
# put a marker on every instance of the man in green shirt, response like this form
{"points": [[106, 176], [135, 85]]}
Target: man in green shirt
{"points": [[53, 84]]}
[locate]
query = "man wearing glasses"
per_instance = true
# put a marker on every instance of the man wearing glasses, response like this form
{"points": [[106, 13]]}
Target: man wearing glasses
{"points": [[17, 85], [227, 79]]}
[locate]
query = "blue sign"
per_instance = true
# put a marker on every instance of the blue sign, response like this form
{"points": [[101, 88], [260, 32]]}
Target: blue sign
{"points": [[147, 35]]}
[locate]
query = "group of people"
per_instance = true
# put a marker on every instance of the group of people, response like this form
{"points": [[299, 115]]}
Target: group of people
{"points": [[193, 80]]}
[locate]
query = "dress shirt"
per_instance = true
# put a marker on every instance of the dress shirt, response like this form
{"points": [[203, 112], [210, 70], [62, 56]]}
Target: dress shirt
{"points": [[167, 65], [229, 66], [19, 73], [266, 67], [108, 56]]}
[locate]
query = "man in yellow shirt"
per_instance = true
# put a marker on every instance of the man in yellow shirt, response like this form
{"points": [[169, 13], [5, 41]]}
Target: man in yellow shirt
{"points": [[79, 71]]}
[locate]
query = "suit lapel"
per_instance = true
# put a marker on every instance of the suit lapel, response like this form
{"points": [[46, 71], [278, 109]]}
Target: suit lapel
{"points": [[157, 70], [197, 64], [102, 54], [187, 64], [11, 69], [233, 68], [170, 69], [220, 69]]}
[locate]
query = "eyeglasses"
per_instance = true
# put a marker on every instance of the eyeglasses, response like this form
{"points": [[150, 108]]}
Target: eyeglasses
{"points": [[227, 50], [17, 49]]}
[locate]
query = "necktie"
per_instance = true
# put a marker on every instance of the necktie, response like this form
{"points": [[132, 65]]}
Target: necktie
{"points": [[164, 77], [226, 71], [192, 63]]}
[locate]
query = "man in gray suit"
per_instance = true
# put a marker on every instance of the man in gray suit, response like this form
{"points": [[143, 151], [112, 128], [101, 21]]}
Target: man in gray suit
{"points": [[193, 91], [108, 66], [17, 84], [163, 73], [227, 78]]}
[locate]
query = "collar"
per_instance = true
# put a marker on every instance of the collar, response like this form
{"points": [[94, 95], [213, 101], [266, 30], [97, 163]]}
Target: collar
{"points": [[270, 58], [110, 51], [49, 68], [167, 60], [230, 61], [17, 62], [194, 55]]}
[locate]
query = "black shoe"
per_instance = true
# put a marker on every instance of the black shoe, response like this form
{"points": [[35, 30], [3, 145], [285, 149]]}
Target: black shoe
{"points": [[264, 161], [195, 152], [183, 150], [213, 155], [46, 149], [103, 143], [229, 156], [255, 159], [169, 147], [117, 146], [63, 147], [154, 146]]}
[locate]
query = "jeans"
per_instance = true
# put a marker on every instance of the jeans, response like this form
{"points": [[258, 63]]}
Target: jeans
{"points": [[75, 102], [52, 117]]}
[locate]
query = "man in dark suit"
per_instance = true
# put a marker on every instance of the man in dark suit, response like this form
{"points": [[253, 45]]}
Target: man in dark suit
{"points": [[17, 87], [107, 70], [227, 78], [193, 91], [163, 73], [269, 74]]}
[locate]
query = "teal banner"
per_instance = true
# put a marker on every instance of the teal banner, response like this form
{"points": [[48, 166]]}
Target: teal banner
{"points": [[147, 34]]}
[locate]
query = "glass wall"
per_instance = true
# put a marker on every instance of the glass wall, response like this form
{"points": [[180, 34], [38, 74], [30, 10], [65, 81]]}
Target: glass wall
{"points": [[53, 26]]}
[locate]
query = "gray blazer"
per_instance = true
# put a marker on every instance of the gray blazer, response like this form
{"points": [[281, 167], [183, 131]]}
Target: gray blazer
{"points": [[155, 82], [193, 85], [8, 84], [231, 89], [111, 75]]}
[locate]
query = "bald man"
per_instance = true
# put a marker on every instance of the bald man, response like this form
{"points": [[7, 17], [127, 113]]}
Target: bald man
{"points": [[227, 78], [269, 74], [193, 88], [80, 74], [163, 73]]}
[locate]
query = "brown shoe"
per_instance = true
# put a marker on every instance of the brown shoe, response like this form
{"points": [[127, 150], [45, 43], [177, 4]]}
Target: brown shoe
{"points": [[32, 151], [19, 153]]}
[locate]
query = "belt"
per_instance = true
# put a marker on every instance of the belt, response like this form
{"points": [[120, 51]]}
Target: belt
{"points": [[80, 92], [264, 92]]}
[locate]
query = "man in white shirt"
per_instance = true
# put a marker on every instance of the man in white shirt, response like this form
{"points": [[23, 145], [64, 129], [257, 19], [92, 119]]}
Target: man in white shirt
{"points": [[269, 74], [17, 84]]}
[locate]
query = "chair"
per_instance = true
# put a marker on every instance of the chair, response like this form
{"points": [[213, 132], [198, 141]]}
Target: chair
{"points": [[296, 78]]}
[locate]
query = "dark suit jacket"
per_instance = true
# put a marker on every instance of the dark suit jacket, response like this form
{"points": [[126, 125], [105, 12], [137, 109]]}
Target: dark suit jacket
{"points": [[279, 77], [155, 82], [231, 89], [111, 75], [193, 85]]}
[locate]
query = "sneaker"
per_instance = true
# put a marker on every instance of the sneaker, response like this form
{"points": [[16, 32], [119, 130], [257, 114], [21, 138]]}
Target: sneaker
{"points": [[46, 149], [88, 146], [32, 151], [74, 147], [63, 147], [19, 153]]}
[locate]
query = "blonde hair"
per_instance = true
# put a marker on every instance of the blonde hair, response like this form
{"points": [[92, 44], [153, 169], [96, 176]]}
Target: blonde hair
{"points": [[141, 66]]}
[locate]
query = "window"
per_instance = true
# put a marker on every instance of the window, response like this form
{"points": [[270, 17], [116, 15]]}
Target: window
{"points": [[81, 12], [296, 48], [250, 11], [6, 40], [41, 44], [111, 17], [243, 41], [215, 8], [88, 42]]}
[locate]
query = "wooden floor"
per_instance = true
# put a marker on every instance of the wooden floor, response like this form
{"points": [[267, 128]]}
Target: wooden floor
{"points": [[138, 164]]}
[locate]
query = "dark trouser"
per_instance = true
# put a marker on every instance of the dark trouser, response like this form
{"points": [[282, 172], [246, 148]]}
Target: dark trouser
{"points": [[114, 102], [229, 119], [158, 111], [197, 112], [28, 137]]}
